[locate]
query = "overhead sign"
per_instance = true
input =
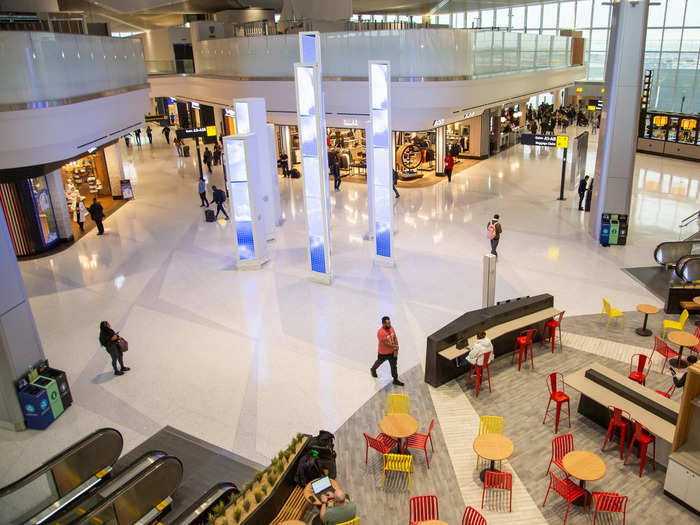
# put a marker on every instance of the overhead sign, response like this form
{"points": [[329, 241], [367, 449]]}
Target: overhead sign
{"points": [[190, 133], [562, 141], [591, 108], [211, 131], [599, 105], [195, 105], [155, 118], [549, 141]]}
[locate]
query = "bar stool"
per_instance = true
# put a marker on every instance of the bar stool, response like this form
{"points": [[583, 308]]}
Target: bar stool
{"points": [[643, 438], [551, 328], [618, 419], [524, 341]]}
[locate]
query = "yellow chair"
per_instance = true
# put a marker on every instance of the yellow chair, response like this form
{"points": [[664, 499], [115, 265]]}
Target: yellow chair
{"points": [[490, 425], [398, 463], [356, 521], [397, 404], [675, 325], [611, 313]]}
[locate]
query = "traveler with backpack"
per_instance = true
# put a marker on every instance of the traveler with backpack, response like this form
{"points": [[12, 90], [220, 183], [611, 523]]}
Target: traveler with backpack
{"points": [[493, 232], [219, 197]]}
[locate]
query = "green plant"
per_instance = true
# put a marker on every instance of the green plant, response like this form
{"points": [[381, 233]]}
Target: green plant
{"points": [[263, 489], [219, 508], [246, 505], [237, 515], [211, 518], [247, 487], [272, 478], [233, 498], [259, 476], [258, 496]]}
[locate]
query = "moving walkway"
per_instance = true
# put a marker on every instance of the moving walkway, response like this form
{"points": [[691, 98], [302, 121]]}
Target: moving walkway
{"points": [[198, 512], [62, 481]]}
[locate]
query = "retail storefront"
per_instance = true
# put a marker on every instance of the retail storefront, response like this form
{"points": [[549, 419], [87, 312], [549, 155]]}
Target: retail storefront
{"points": [[670, 134], [415, 153], [39, 202]]}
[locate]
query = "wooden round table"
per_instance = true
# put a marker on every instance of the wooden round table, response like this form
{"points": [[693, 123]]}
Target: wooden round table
{"points": [[309, 492], [696, 300], [399, 426], [584, 466], [646, 309], [494, 447], [681, 339]]}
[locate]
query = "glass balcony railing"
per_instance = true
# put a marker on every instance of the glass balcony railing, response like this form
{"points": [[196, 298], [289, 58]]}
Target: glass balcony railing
{"points": [[414, 53], [169, 67], [41, 68]]}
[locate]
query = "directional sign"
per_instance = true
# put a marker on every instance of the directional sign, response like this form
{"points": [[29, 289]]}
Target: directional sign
{"points": [[190, 133], [562, 141]]}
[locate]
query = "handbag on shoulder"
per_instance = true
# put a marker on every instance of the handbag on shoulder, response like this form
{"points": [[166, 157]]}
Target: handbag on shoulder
{"points": [[123, 344]]}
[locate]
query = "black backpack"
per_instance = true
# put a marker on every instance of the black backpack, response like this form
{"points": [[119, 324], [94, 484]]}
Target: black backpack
{"points": [[308, 469]]}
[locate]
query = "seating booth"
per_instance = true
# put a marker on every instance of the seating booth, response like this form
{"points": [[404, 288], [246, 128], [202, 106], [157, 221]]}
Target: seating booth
{"points": [[502, 324]]}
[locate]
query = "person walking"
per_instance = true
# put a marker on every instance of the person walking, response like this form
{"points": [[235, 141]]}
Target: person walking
{"points": [[80, 213], [149, 134], [395, 179], [110, 340], [335, 170], [217, 154], [127, 140], [388, 349], [178, 146], [137, 135], [166, 132], [207, 158], [203, 193], [219, 197], [493, 232], [449, 164], [582, 187], [97, 213]]}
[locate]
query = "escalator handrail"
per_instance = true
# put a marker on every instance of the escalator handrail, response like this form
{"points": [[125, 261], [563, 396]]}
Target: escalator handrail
{"points": [[682, 270], [51, 463], [689, 219], [87, 518], [215, 492]]}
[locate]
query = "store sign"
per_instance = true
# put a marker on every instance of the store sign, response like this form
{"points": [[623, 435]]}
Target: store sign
{"points": [[591, 108], [127, 190], [229, 112], [439, 122], [92, 150], [155, 118], [195, 105], [469, 115], [190, 133], [599, 105], [350, 123], [548, 141]]}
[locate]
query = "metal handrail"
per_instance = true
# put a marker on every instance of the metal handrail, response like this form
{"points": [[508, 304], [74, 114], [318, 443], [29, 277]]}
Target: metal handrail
{"points": [[689, 219]]}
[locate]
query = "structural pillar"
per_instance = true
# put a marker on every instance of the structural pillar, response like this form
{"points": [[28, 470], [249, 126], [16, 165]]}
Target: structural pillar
{"points": [[64, 222], [617, 141], [20, 346], [115, 168]]}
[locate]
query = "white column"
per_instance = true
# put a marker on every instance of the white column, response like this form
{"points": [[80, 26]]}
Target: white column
{"points": [[243, 164], [380, 152], [274, 176], [251, 117], [60, 205], [314, 157], [115, 167]]}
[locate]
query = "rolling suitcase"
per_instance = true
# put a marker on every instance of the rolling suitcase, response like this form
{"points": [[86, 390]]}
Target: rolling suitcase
{"points": [[209, 215]]}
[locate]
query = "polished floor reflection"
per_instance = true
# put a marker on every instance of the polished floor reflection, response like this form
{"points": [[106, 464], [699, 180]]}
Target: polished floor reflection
{"points": [[243, 359]]}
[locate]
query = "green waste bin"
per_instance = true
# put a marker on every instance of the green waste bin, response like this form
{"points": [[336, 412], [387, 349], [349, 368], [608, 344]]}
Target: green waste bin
{"points": [[52, 392]]}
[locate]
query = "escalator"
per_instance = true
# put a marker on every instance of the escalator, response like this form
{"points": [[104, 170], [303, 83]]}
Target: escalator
{"points": [[669, 253], [62, 481], [688, 268], [106, 492], [198, 512], [139, 501]]}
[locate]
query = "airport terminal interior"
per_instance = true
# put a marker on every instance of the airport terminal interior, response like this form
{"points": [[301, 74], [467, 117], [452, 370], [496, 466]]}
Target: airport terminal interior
{"points": [[498, 178]]}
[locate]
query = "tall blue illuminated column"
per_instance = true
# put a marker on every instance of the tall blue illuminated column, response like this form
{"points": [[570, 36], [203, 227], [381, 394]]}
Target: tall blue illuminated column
{"points": [[379, 150], [243, 163], [314, 157]]}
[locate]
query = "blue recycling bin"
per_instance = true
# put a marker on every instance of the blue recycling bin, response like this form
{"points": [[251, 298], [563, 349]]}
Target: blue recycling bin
{"points": [[36, 407]]}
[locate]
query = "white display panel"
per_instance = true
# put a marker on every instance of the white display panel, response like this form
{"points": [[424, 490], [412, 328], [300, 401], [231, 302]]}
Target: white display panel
{"points": [[380, 151]]}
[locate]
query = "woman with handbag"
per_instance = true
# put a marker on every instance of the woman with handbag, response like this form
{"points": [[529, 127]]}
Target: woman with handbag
{"points": [[115, 346]]}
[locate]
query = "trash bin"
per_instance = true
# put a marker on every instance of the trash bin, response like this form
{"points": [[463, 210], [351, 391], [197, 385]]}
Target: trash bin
{"points": [[35, 407], [62, 381], [52, 394]]}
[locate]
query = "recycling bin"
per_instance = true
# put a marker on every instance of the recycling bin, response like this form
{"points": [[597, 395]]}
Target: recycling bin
{"points": [[62, 381], [35, 407], [52, 393]]}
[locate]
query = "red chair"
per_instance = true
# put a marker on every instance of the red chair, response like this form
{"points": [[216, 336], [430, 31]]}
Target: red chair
{"points": [[484, 358], [559, 397], [643, 437], [381, 443], [524, 341], [638, 364], [668, 393], [568, 490], [500, 481], [551, 329], [561, 446], [420, 441], [472, 517], [423, 508], [696, 348], [619, 419], [609, 502], [660, 347]]}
